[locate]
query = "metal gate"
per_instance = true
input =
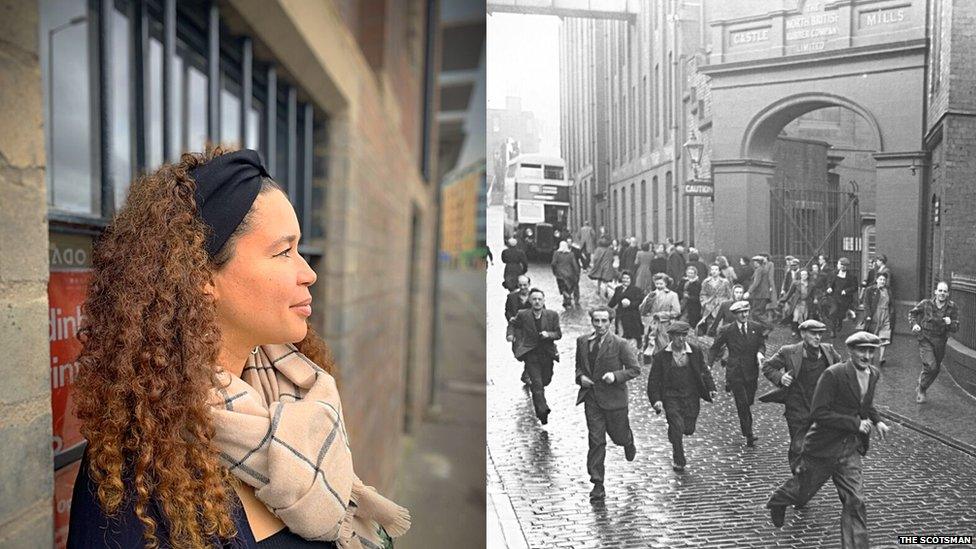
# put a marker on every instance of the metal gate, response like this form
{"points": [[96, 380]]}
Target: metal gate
{"points": [[806, 222]]}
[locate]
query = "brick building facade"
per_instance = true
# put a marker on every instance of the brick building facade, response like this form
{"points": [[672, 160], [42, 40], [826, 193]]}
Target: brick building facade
{"points": [[335, 95], [949, 197]]}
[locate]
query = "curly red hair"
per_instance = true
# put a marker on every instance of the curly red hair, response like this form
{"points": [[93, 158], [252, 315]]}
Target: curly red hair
{"points": [[150, 343]]}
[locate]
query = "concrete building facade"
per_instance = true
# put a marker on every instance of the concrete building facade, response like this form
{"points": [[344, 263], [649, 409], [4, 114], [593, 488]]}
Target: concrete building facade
{"points": [[338, 98]]}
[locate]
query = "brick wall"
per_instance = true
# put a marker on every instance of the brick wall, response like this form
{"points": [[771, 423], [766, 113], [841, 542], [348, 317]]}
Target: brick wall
{"points": [[26, 479]]}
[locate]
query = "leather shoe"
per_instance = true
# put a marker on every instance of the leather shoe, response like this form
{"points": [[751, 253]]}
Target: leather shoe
{"points": [[630, 451], [597, 492], [751, 441], [778, 515], [919, 396], [544, 418]]}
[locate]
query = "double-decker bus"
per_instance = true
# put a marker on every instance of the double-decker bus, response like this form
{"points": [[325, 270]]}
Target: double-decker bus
{"points": [[536, 202]]}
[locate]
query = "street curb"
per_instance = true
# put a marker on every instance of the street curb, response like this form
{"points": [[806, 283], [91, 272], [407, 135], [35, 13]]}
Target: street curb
{"points": [[941, 437], [504, 517]]}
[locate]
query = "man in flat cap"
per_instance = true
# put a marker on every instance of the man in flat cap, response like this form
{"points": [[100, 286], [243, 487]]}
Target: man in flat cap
{"points": [[795, 370], [676, 384], [604, 365], [746, 342], [534, 332], [843, 415], [932, 321]]}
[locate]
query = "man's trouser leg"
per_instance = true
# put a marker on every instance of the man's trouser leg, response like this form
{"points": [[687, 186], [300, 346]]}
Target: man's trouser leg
{"points": [[596, 426], [932, 352], [853, 518], [537, 369], [798, 431], [618, 426], [811, 474], [742, 407], [682, 416], [575, 285]]}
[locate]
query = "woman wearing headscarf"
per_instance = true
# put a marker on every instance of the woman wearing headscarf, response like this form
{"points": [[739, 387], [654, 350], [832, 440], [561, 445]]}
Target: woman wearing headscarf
{"points": [[566, 268], [644, 276], [690, 291], [601, 266], [879, 308], [715, 290], [627, 298], [212, 415], [800, 295], [726, 270]]}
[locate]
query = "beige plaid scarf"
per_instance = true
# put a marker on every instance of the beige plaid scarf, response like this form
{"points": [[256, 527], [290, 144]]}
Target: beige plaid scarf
{"points": [[280, 429]]}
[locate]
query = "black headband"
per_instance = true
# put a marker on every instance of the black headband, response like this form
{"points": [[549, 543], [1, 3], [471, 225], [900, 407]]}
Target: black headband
{"points": [[226, 188]]}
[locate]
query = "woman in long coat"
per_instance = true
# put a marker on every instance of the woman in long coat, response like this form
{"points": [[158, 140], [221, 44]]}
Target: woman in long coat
{"points": [[879, 309], [690, 291], [800, 295], [566, 268], [715, 290], [660, 262], [627, 298], [644, 276], [601, 265]]}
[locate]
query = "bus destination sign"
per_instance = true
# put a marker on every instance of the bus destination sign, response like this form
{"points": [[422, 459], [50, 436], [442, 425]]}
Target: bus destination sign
{"points": [[549, 193]]}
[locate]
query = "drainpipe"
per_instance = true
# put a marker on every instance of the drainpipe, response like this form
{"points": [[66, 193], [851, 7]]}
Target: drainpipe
{"points": [[675, 104]]}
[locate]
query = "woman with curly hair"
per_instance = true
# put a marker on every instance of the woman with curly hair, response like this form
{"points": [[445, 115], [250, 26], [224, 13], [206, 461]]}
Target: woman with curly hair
{"points": [[209, 404]]}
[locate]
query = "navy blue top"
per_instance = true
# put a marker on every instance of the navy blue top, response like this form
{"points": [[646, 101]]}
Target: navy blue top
{"points": [[90, 527]]}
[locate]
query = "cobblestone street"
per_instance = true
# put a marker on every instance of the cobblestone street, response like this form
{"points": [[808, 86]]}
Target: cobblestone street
{"points": [[913, 483]]}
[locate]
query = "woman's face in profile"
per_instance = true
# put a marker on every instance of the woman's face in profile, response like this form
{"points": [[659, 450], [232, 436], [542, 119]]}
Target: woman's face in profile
{"points": [[262, 294]]}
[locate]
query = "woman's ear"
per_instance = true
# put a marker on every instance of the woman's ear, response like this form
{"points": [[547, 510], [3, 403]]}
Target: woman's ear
{"points": [[210, 289]]}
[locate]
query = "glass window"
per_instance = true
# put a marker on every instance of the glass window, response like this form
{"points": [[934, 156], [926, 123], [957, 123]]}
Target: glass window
{"points": [[255, 126], [196, 109], [176, 138], [230, 112], [281, 147], [299, 199], [154, 95], [121, 135], [554, 172], [192, 94], [320, 165], [65, 55]]}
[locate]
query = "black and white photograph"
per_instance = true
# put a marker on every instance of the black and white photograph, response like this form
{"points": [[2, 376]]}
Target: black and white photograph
{"points": [[735, 299]]}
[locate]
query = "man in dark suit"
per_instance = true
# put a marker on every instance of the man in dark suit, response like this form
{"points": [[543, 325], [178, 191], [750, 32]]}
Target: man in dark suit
{"points": [[534, 332], [676, 384], [795, 370], [604, 364], [843, 415], [515, 302], [518, 299], [746, 341]]}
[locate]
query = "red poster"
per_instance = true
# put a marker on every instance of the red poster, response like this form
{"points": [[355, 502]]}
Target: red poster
{"points": [[64, 484], [66, 293]]}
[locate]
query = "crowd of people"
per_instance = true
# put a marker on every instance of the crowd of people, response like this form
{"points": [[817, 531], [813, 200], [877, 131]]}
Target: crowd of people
{"points": [[668, 309]]}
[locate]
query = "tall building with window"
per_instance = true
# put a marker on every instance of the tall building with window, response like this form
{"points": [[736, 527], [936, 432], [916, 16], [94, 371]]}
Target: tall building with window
{"points": [[623, 90], [771, 126], [339, 99]]}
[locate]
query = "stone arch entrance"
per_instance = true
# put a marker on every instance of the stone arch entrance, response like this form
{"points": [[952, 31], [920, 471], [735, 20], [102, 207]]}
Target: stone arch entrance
{"points": [[822, 147], [765, 127], [753, 100]]}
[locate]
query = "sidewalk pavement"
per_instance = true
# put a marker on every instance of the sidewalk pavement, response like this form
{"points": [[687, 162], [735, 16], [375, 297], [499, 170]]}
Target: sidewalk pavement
{"points": [[948, 414], [441, 477]]}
